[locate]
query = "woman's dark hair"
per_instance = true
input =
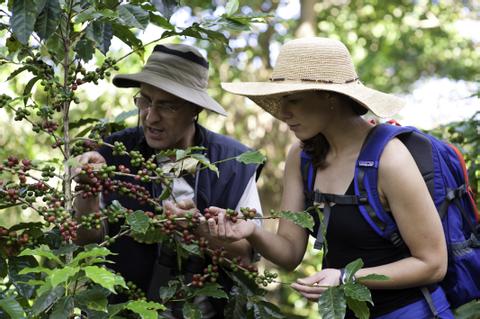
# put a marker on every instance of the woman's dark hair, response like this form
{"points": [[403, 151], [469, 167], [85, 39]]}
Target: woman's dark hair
{"points": [[317, 147]]}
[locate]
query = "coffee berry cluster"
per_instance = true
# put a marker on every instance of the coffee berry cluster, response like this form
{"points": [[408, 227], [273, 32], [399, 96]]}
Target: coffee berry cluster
{"points": [[12, 241], [132, 292], [231, 214], [266, 278], [210, 273]]}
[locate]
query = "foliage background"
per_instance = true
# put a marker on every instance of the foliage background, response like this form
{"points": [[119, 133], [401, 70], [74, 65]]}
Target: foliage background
{"points": [[394, 44]]}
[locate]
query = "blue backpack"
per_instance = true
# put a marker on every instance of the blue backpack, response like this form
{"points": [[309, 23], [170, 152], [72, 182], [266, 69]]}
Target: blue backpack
{"points": [[443, 169]]}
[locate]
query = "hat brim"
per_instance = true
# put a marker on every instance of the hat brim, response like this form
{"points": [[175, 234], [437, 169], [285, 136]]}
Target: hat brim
{"points": [[193, 95], [268, 94]]}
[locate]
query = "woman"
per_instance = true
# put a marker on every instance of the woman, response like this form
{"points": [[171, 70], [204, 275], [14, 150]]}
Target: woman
{"points": [[315, 90]]}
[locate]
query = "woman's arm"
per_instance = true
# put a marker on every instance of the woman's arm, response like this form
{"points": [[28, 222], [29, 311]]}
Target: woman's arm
{"points": [[404, 191], [287, 247]]}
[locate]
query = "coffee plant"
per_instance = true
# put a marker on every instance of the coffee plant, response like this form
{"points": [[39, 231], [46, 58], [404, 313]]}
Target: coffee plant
{"points": [[44, 274]]}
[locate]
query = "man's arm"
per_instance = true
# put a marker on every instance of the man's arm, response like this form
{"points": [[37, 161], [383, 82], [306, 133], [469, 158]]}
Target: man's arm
{"points": [[89, 205]]}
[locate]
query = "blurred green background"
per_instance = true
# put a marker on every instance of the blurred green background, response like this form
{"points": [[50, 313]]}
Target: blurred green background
{"points": [[425, 51]]}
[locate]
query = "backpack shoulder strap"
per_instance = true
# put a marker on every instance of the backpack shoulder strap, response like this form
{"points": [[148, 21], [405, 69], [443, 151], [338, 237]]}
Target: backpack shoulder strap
{"points": [[306, 166], [366, 179], [308, 177]]}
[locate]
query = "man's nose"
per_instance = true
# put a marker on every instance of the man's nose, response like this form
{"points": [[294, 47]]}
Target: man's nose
{"points": [[152, 115]]}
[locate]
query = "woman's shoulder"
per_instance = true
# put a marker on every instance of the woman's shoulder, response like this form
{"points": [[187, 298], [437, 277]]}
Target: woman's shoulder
{"points": [[394, 155], [294, 154], [397, 164]]}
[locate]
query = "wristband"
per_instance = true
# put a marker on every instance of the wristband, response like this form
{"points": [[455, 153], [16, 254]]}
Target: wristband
{"points": [[343, 277]]}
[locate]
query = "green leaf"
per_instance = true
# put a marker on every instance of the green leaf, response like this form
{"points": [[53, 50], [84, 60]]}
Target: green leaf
{"points": [[34, 282], [94, 298], [211, 290], [15, 265], [231, 7], [358, 292], [47, 21], [86, 15], [94, 252], [55, 45], [133, 16], [166, 293], [128, 37], [11, 306], [101, 33], [24, 15], [93, 13], [166, 192], [13, 45], [47, 299], [153, 235], [63, 308], [30, 226], [161, 22], [139, 221], [302, 219], [82, 122], [358, 307], [251, 157], [166, 7], [43, 251], [125, 115], [332, 303], [191, 311], [180, 154], [146, 310], [191, 249], [16, 72], [28, 89], [85, 48], [246, 285], [205, 162], [61, 275], [104, 277], [352, 268], [468, 311], [28, 270], [236, 307]]}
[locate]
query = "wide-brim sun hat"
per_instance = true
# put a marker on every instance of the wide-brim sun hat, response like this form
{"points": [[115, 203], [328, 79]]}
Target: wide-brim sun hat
{"points": [[178, 69], [315, 63]]}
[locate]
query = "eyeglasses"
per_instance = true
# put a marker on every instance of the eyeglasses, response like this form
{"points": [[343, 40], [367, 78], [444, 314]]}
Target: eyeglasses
{"points": [[165, 107]]}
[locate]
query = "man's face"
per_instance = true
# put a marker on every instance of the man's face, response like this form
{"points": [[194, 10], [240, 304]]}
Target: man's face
{"points": [[168, 121]]}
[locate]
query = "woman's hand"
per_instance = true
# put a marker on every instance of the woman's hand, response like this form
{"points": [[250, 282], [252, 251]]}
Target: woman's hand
{"points": [[225, 229], [313, 286]]}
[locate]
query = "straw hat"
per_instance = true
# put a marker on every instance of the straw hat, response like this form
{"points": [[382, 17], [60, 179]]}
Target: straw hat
{"points": [[315, 64], [178, 69]]}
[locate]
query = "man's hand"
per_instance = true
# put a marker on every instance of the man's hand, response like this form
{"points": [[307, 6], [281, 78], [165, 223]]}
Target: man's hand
{"points": [[180, 209], [92, 158], [227, 230]]}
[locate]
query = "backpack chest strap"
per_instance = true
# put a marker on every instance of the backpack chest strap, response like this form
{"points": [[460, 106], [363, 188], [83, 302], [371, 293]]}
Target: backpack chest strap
{"points": [[319, 197], [329, 199]]}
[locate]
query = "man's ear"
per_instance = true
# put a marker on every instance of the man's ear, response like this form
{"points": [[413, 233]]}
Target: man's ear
{"points": [[198, 109]]}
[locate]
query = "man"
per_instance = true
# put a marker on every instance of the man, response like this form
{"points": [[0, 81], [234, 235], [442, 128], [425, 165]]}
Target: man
{"points": [[173, 86]]}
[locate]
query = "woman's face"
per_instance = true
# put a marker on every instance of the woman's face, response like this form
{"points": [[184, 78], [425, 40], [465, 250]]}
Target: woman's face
{"points": [[307, 113]]}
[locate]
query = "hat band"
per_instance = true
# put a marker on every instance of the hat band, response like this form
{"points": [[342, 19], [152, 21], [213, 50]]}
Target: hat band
{"points": [[185, 55], [313, 80]]}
